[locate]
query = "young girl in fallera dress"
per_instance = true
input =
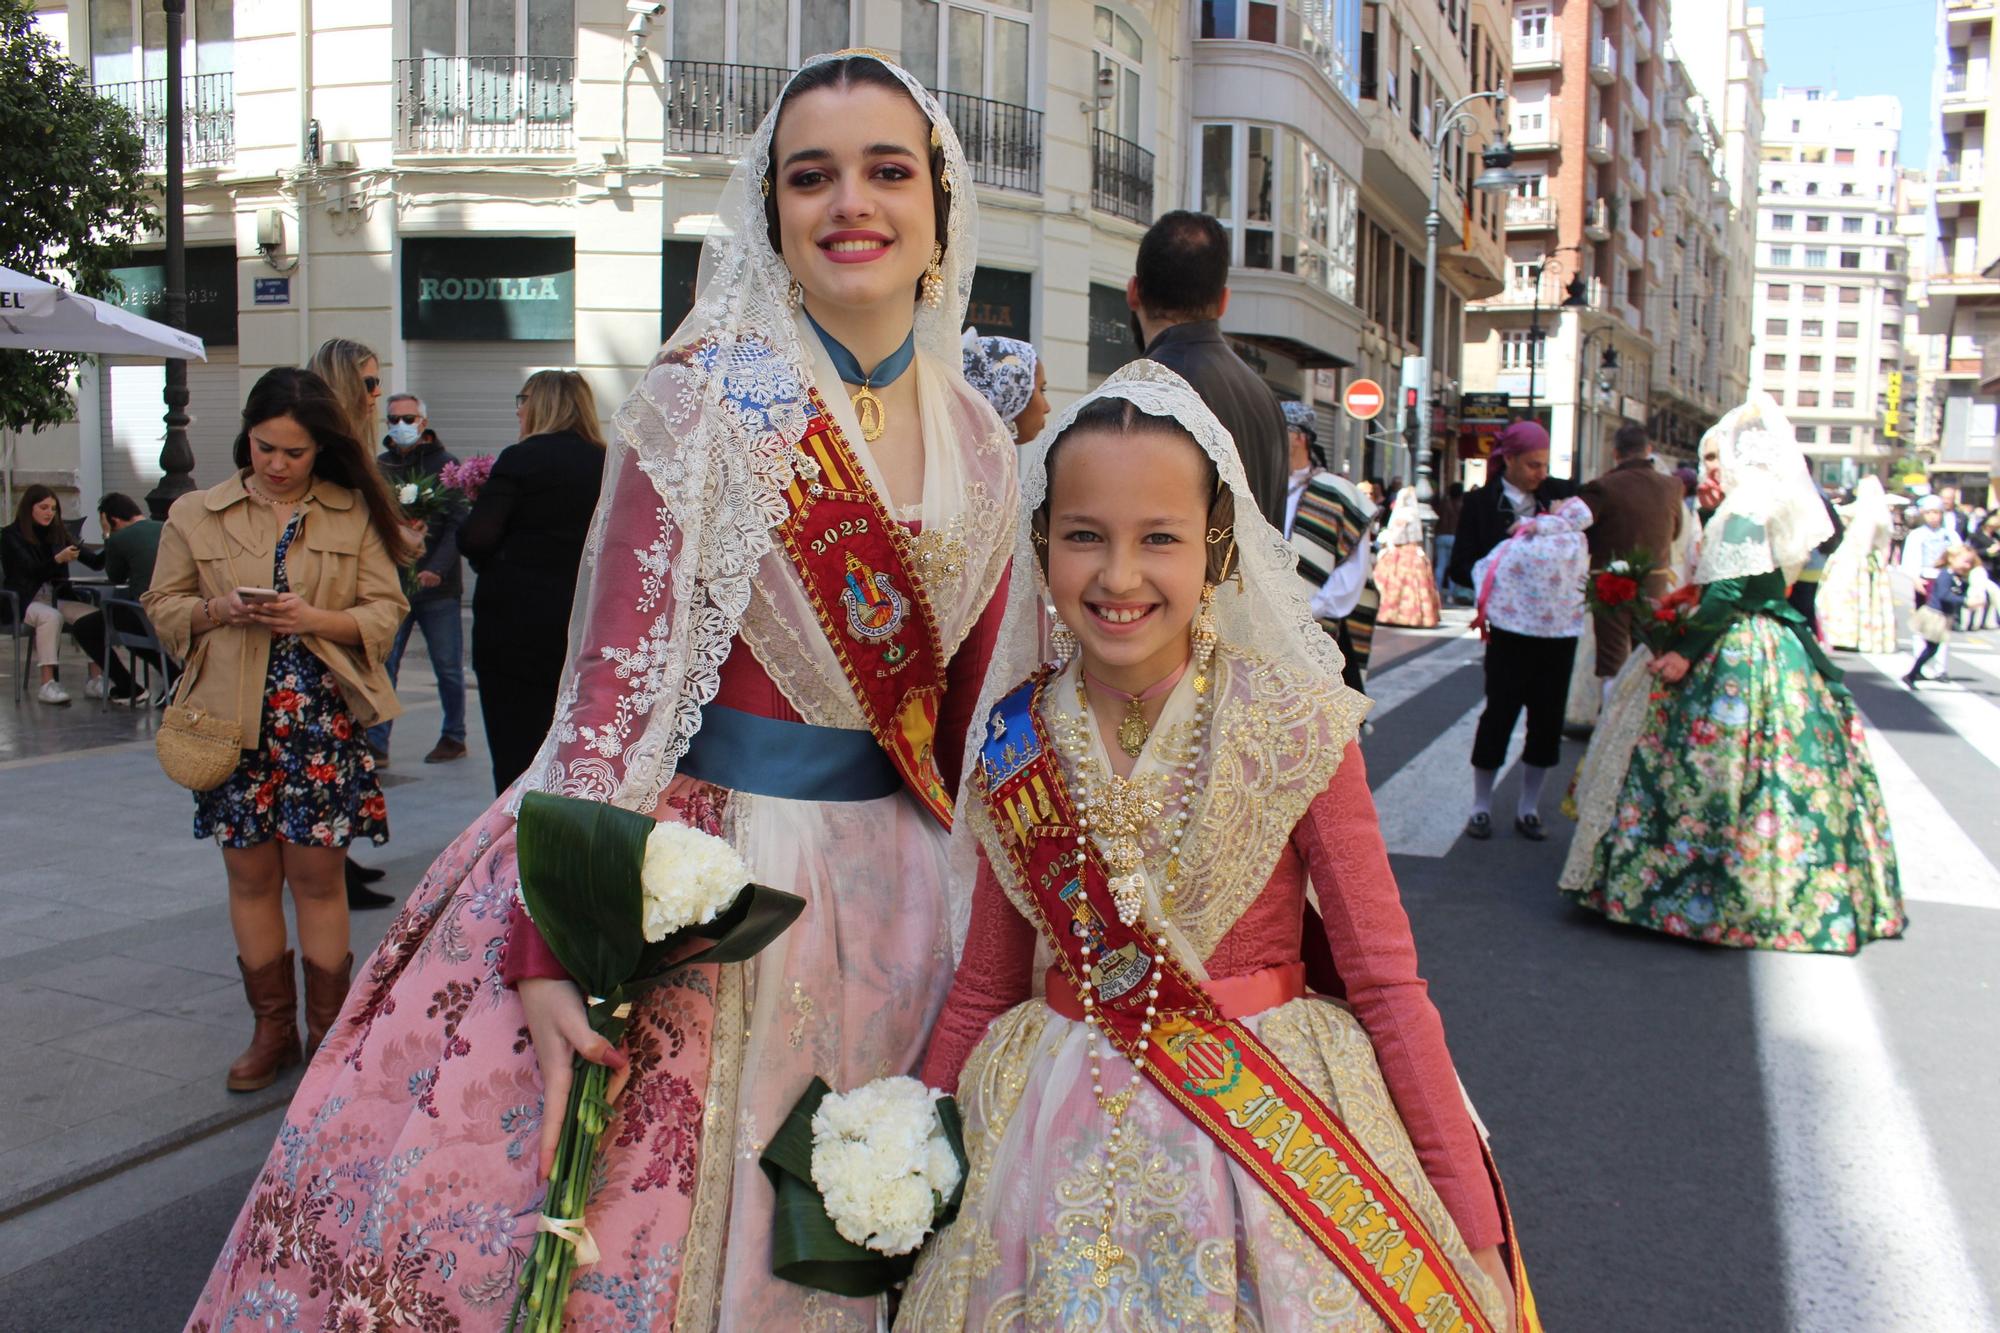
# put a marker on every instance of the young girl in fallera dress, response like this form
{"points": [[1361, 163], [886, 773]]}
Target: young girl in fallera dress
{"points": [[1148, 814]]}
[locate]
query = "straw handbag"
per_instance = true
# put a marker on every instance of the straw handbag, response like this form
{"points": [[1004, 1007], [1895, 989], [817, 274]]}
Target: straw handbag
{"points": [[197, 749]]}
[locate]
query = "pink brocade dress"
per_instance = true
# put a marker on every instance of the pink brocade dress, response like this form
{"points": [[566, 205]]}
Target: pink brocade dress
{"points": [[1408, 585], [1205, 1247], [402, 1190]]}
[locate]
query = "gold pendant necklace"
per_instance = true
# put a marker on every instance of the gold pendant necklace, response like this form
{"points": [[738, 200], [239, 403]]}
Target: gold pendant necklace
{"points": [[1132, 728], [869, 413]]}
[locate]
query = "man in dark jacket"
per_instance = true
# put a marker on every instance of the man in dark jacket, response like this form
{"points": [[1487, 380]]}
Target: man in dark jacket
{"points": [[412, 455], [1633, 507], [1178, 294], [1518, 486]]}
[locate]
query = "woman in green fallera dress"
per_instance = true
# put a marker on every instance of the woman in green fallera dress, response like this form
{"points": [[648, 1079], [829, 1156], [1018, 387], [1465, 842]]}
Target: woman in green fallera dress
{"points": [[1748, 812]]}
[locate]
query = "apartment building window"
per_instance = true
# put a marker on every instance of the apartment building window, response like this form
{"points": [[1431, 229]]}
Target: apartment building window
{"points": [[1890, 333], [1843, 398], [1812, 328], [1850, 226], [1781, 256], [1807, 434], [1518, 351], [1815, 256], [1418, 110], [1775, 327], [1782, 221], [1807, 398], [776, 33], [1850, 259], [1840, 435], [1843, 157], [1531, 28], [1121, 58], [1809, 364], [1843, 365], [128, 39], [1812, 187], [1774, 360], [1847, 188], [977, 47], [1813, 293], [1778, 291], [1318, 30], [1292, 209], [1816, 222], [1850, 296], [1775, 187], [1847, 328]]}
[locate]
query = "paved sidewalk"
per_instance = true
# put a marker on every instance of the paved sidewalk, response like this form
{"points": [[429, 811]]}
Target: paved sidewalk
{"points": [[120, 1003]]}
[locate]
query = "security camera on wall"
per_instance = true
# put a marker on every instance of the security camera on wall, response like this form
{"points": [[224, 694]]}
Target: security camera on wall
{"points": [[651, 9]]}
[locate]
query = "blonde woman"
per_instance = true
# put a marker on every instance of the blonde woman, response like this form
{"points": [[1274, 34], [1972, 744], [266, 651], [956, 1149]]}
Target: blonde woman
{"points": [[525, 537]]}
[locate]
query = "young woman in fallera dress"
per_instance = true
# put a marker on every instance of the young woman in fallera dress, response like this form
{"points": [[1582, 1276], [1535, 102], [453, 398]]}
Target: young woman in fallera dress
{"points": [[1148, 814], [709, 656]]}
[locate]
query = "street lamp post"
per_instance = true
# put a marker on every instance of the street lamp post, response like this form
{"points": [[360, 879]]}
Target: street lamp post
{"points": [[1447, 120], [176, 455], [1606, 365]]}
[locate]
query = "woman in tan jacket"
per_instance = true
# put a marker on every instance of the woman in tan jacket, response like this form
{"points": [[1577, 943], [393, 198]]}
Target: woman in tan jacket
{"points": [[279, 589]]}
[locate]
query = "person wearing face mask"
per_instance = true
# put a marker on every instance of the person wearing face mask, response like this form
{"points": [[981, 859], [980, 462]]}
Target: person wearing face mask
{"points": [[411, 454]]}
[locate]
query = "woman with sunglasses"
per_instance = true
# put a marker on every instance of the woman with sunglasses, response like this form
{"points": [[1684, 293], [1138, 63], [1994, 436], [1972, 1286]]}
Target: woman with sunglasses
{"points": [[354, 373], [525, 537]]}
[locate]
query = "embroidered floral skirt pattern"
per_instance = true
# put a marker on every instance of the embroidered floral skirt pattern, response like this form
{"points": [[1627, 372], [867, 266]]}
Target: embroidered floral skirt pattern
{"points": [[1857, 608], [1409, 587], [1749, 814], [402, 1192], [1205, 1246]]}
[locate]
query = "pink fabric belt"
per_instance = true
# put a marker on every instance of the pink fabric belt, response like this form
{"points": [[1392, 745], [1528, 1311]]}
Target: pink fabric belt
{"points": [[1236, 997]]}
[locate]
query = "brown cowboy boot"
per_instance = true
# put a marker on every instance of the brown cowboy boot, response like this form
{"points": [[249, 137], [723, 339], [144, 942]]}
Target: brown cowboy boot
{"points": [[326, 991], [274, 1045]]}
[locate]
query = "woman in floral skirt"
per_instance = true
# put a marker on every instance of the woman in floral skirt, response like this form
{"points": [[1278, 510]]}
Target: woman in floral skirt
{"points": [[1749, 813], [1402, 570], [279, 589]]}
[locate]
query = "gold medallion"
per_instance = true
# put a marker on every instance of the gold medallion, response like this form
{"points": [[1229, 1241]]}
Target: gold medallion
{"points": [[1132, 728], [868, 411]]}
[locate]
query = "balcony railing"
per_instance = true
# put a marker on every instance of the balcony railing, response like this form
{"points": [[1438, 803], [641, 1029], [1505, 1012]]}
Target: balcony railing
{"points": [[484, 105], [715, 109], [1526, 214], [1121, 177], [1597, 220], [1599, 148], [208, 118], [1642, 38], [1542, 51], [1604, 60], [1642, 107]]}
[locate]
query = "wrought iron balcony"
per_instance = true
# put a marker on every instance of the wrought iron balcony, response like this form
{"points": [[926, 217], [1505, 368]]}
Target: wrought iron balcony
{"points": [[715, 109], [1525, 214], [1121, 177], [481, 105], [208, 118]]}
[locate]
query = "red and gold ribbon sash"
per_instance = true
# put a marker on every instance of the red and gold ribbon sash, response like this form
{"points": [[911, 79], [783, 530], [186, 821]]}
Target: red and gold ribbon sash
{"points": [[855, 561], [1215, 1069]]}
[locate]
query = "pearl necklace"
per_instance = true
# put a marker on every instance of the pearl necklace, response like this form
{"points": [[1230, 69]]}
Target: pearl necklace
{"points": [[1121, 814]]}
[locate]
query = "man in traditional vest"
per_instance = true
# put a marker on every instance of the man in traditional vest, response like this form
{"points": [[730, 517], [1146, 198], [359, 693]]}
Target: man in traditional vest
{"points": [[1327, 521]]}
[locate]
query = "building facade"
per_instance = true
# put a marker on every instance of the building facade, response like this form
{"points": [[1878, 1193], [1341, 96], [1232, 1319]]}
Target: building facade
{"points": [[1832, 280], [478, 194], [1688, 316], [1960, 304], [1567, 340]]}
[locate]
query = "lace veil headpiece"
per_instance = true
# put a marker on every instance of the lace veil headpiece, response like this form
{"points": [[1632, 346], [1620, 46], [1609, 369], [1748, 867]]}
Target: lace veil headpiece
{"points": [[1281, 716], [694, 482], [1771, 514]]}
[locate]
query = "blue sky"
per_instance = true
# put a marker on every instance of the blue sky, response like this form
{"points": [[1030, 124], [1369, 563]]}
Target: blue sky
{"points": [[1859, 49]]}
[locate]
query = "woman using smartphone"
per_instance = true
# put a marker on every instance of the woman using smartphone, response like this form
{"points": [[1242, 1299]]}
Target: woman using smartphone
{"points": [[280, 590]]}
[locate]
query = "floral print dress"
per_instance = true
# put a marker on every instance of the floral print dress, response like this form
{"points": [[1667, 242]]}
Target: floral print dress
{"points": [[312, 781], [1750, 814]]}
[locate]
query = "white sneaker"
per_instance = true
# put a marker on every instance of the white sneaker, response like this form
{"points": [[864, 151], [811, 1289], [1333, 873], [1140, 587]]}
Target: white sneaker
{"points": [[95, 687], [52, 692]]}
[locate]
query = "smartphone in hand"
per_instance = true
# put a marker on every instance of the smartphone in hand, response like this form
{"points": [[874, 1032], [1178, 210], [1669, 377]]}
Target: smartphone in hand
{"points": [[257, 596]]}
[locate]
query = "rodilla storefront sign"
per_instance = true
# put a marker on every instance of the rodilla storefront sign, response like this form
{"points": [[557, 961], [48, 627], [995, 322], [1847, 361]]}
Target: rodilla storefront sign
{"points": [[489, 289]]}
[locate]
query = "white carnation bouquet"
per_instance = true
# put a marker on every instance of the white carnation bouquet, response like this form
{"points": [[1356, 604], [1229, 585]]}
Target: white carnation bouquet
{"points": [[619, 899], [863, 1178]]}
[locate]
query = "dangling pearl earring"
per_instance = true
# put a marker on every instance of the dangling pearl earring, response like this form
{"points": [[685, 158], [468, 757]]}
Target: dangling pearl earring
{"points": [[1204, 638], [795, 296], [934, 279], [1062, 639]]}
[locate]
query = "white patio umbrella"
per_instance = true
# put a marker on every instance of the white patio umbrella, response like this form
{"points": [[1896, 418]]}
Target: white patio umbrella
{"points": [[38, 316]]}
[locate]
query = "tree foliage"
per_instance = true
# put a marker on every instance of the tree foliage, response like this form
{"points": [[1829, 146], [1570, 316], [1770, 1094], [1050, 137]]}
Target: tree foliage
{"points": [[72, 196]]}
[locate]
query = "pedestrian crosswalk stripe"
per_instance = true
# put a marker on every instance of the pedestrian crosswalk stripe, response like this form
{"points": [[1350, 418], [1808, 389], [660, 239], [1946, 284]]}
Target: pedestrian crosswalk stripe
{"points": [[1422, 807], [1938, 863], [1975, 721]]}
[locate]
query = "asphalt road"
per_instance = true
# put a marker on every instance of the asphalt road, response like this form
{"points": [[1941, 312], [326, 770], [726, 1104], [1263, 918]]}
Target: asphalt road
{"points": [[1695, 1140]]}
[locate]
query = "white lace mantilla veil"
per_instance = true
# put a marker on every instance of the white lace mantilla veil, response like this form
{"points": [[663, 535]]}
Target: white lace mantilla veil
{"points": [[680, 556], [1406, 521], [1771, 514], [1870, 524], [1281, 720]]}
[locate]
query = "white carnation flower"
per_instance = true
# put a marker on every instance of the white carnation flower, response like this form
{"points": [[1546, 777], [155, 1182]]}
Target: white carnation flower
{"points": [[1620, 567], [408, 495], [882, 1164], [688, 877]]}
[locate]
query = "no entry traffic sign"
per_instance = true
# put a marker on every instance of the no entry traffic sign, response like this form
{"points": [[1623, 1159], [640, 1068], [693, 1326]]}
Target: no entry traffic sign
{"points": [[1363, 400]]}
